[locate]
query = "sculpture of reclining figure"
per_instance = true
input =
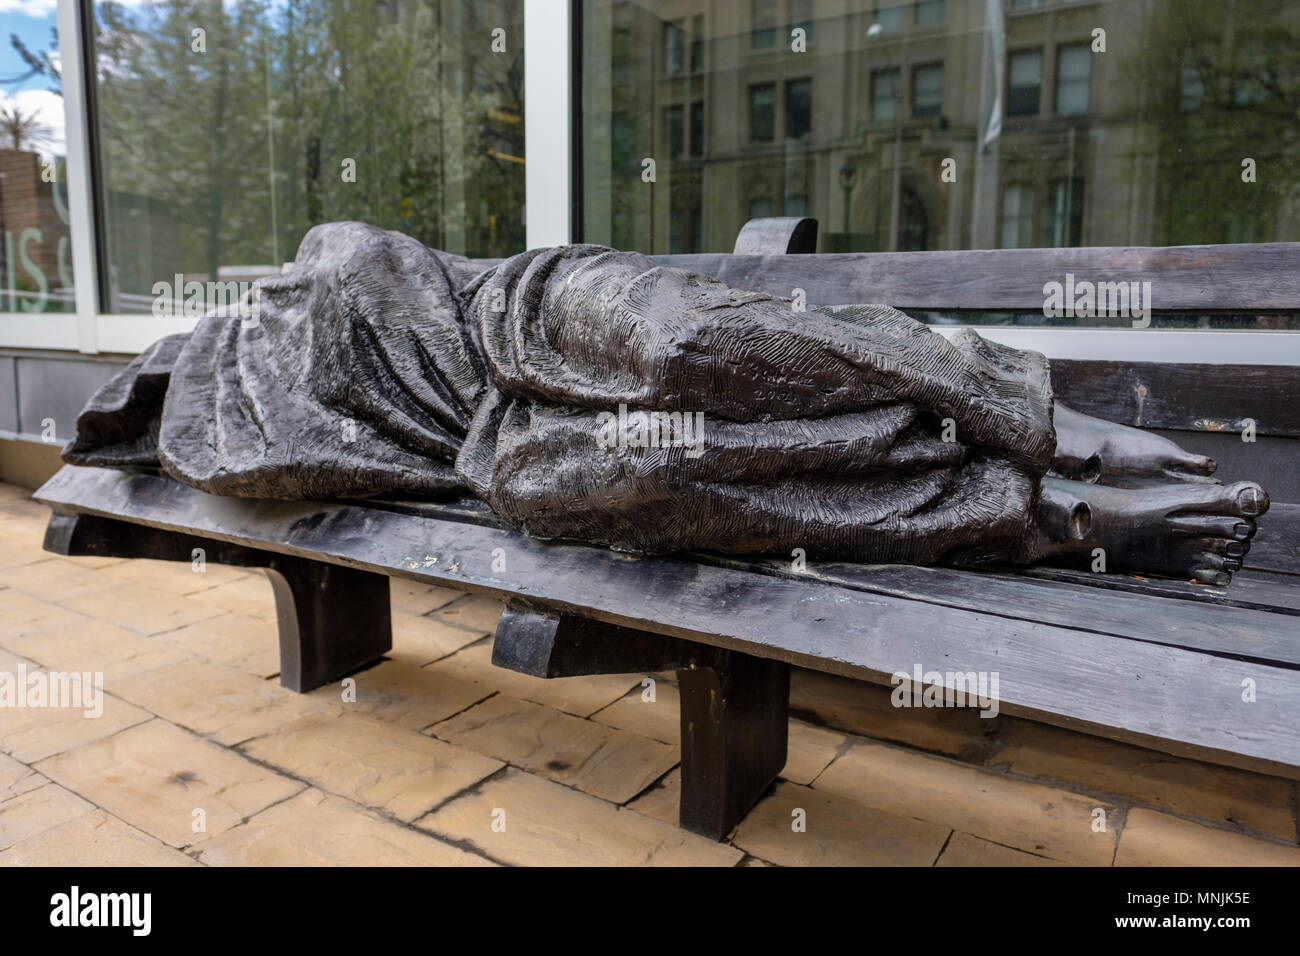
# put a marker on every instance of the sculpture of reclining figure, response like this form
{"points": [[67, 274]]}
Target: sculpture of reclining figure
{"points": [[377, 366]]}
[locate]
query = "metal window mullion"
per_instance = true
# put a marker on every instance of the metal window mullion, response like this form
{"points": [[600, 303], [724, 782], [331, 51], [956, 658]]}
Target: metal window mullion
{"points": [[548, 121], [81, 210]]}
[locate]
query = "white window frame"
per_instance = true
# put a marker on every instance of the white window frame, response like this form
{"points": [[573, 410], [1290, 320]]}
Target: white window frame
{"points": [[548, 127]]}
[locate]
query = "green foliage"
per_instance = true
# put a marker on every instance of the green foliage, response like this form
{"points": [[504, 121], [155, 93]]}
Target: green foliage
{"points": [[239, 150], [1221, 82]]}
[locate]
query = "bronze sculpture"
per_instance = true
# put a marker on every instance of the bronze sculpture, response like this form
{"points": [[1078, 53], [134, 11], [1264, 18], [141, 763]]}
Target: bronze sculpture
{"points": [[376, 366]]}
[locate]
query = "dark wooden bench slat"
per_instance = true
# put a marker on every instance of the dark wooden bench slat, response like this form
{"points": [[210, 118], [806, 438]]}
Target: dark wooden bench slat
{"points": [[1223, 278], [1069, 598], [1245, 592], [1277, 545], [1183, 396], [960, 587], [1227, 631], [1176, 700]]}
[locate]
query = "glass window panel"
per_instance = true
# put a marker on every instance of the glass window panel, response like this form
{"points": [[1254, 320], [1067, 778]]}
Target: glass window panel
{"points": [[763, 19], [884, 95], [798, 109], [1017, 216], [930, 13], [675, 117], [762, 113], [1153, 158], [1073, 79], [220, 150], [1024, 82], [888, 20], [1191, 91], [927, 90], [35, 242], [674, 49], [801, 16], [1063, 219]]}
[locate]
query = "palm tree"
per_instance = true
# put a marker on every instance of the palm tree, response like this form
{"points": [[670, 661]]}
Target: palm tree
{"points": [[20, 130]]}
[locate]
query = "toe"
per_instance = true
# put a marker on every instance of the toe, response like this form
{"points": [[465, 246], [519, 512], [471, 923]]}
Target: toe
{"points": [[1222, 546], [1240, 529], [1249, 498], [1172, 475], [1208, 560], [1220, 578], [1189, 466], [1244, 498]]}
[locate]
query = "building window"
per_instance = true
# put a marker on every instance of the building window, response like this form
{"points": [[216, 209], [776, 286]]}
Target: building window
{"points": [[1017, 217], [762, 134], [888, 20], [762, 34], [760, 208], [1024, 82], [801, 16], [927, 90], [796, 204], [1073, 79], [685, 234], [674, 49], [884, 95], [798, 109], [930, 13], [913, 222], [1063, 218], [762, 125], [1191, 90], [675, 123], [1252, 86]]}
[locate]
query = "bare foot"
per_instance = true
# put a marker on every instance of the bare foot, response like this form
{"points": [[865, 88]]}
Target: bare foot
{"points": [[1198, 530], [1101, 452]]}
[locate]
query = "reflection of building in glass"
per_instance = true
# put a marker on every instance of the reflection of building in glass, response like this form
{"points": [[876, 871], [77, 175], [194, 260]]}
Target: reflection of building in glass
{"points": [[35, 258], [922, 125]]}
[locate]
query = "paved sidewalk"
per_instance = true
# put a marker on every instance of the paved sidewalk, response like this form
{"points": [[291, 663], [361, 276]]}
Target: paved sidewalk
{"points": [[200, 758]]}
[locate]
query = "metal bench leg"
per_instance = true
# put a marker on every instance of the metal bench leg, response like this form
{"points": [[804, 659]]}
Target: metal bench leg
{"points": [[735, 722], [735, 707], [332, 619]]}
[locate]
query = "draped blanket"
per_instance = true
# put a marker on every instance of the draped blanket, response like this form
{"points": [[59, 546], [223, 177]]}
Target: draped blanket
{"points": [[545, 386]]}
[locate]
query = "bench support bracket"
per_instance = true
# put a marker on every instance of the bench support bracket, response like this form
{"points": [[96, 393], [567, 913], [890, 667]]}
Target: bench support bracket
{"points": [[332, 619], [734, 707]]}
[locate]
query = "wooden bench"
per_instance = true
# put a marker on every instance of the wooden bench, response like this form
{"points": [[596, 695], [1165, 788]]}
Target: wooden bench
{"points": [[1159, 663]]}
